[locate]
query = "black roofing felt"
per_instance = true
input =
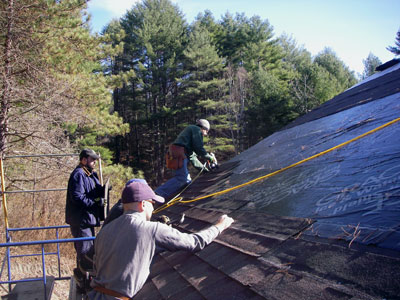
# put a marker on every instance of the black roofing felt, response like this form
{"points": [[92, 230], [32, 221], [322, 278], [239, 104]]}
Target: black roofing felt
{"points": [[326, 229], [387, 65]]}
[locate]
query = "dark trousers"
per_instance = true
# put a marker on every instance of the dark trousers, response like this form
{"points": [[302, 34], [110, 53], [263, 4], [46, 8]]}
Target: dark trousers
{"points": [[83, 248]]}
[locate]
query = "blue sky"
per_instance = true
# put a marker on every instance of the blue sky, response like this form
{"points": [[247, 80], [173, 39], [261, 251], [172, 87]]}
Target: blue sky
{"points": [[352, 28]]}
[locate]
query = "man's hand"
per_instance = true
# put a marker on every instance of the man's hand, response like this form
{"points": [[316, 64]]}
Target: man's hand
{"points": [[224, 222], [214, 159], [211, 158]]}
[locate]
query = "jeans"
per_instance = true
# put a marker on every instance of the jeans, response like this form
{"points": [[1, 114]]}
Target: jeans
{"points": [[83, 248], [172, 186]]}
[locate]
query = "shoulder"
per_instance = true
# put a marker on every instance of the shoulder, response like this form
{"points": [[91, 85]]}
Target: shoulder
{"points": [[77, 173], [193, 129], [130, 225]]}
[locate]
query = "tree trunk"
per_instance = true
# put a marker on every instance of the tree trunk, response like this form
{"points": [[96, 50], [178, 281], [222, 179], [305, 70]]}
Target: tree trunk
{"points": [[6, 74]]}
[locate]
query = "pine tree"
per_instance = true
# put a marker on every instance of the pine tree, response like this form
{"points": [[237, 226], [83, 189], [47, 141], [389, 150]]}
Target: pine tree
{"points": [[334, 76], [54, 98], [395, 49], [49, 79], [156, 34], [299, 65], [204, 88], [370, 64]]}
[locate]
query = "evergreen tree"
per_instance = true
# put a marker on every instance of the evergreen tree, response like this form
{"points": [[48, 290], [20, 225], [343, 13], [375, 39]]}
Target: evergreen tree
{"points": [[370, 64], [119, 72], [335, 75], [395, 49], [156, 35], [299, 65], [269, 105], [53, 99], [249, 50], [206, 20], [203, 69], [248, 42], [49, 79], [204, 89], [312, 82]]}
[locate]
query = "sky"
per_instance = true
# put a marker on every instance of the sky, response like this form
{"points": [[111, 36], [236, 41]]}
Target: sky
{"points": [[351, 28]]}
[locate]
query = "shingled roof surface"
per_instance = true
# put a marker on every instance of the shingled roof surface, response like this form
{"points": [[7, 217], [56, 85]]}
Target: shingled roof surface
{"points": [[328, 228]]}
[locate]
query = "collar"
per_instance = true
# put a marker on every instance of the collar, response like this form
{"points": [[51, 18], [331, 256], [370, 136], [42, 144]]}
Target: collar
{"points": [[135, 213], [86, 170]]}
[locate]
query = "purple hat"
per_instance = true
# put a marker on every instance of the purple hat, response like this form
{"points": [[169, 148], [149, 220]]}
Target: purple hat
{"points": [[136, 180], [139, 191]]}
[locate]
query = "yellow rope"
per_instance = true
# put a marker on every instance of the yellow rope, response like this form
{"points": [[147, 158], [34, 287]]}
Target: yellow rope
{"points": [[3, 194], [179, 199]]}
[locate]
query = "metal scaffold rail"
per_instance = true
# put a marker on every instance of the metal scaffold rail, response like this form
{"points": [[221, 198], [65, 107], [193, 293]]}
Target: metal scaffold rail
{"points": [[48, 281]]}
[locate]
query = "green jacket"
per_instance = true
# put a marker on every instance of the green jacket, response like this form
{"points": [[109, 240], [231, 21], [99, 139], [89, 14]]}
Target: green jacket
{"points": [[192, 140]]}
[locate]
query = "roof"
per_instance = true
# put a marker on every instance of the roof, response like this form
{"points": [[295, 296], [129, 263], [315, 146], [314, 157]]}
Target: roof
{"points": [[325, 229]]}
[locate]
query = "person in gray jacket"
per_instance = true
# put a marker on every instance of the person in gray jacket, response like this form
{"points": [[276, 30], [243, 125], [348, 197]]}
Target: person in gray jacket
{"points": [[125, 247]]}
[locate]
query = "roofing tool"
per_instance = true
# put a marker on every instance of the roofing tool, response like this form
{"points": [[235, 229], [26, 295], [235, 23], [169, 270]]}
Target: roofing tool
{"points": [[166, 220], [212, 164]]}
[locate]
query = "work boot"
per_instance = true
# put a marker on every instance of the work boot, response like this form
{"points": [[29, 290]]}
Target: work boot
{"points": [[86, 264], [80, 280]]}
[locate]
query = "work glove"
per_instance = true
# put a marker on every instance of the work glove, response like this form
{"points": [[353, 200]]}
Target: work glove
{"points": [[211, 161], [164, 219], [210, 157]]}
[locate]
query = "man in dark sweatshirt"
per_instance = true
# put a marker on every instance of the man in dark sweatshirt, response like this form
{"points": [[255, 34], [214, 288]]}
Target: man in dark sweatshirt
{"points": [[187, 147]]}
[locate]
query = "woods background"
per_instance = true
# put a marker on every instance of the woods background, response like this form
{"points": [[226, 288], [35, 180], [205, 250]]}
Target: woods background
{"points": [[129, 91]]}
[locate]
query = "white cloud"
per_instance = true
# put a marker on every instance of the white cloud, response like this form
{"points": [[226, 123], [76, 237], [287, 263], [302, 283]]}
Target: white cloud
{"points": [[115, 7]]}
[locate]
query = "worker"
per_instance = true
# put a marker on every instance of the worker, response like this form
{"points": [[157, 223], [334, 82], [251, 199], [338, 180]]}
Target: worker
{"points": [[125, 247], [83, 206], [117, 210], [187, 146]]}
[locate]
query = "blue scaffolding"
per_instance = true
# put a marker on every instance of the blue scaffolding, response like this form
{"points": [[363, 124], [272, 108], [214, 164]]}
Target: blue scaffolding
{"points": [[9, 244], [44, 277]]}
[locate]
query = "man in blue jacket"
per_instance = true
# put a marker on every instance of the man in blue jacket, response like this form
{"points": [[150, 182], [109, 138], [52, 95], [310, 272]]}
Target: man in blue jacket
{"points": [[187, 147], [83, 205]]}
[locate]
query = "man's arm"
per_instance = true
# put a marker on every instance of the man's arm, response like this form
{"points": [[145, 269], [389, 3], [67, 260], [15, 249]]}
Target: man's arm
{"points": [[195, 161], [197, 143], [172, 239]]}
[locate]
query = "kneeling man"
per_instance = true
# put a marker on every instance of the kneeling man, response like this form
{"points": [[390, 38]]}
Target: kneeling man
{"points": [[125, 247]]}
